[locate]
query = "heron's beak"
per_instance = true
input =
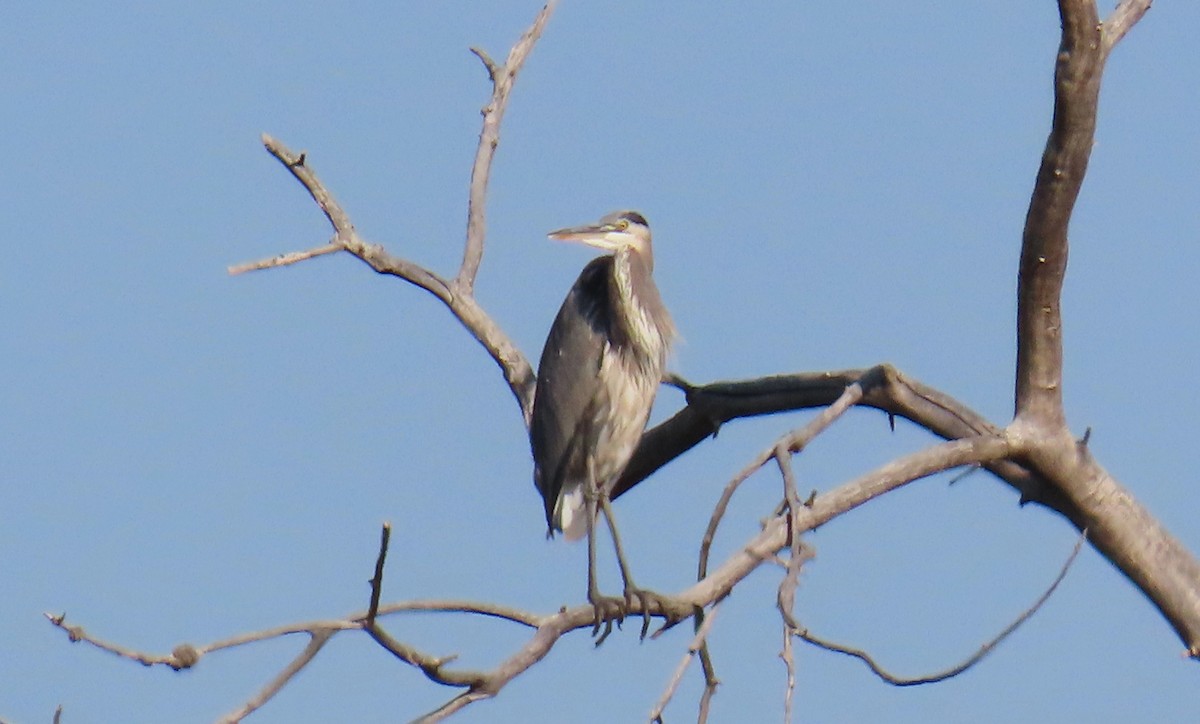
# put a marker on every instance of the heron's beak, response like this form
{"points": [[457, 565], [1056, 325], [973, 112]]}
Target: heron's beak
{"points": [[596, 235]]}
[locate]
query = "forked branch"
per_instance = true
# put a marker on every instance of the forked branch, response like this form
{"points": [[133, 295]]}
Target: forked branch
{"points": [[1118, 526], [502, 78], [458, 293], [549, 628]]}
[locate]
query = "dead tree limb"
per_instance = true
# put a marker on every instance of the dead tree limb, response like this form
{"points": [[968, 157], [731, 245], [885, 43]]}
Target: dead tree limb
{"points": [[986, 648], [1118, 526], [458, 293]]}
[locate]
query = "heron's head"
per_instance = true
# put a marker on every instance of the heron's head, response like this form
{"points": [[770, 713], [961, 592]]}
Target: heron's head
{"points": [[619, 230]]}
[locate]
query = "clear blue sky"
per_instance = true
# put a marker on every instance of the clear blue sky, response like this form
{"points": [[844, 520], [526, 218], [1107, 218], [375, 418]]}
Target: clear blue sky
{"points": [[185, 455]]}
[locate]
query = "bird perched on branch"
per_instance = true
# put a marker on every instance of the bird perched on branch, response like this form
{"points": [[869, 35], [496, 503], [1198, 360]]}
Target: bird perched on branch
{"points": [[596, 382]]}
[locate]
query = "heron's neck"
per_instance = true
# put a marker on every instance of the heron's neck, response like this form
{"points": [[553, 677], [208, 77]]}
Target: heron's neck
{"points": [[644, 318]]}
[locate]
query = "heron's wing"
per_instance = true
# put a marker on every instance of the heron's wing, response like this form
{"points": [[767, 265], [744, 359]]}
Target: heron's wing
{"points": [[568, 382]]}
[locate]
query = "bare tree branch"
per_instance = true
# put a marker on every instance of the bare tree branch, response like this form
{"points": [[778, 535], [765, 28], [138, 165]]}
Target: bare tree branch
{"points": [[975, 658], [798, 555], [1054, 471], [385, 537], [1125, 533], [792, 442], [789, 663], [431, 666], [456, 294], [283, 259], [550, 628], [711, 682], [1080, 64], [785, 597], [489, 137], [450, 605], [846, 497], [318, 641], [1120, 528], [345, 235], [182, 657], [1044, 246], [1121, 21], [883, 387], [656, 714]]}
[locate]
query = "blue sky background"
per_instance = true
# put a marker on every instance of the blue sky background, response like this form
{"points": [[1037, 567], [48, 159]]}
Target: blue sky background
{"points": [[185, 455]]}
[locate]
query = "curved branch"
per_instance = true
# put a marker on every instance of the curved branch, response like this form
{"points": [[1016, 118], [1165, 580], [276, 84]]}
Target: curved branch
{"points": [[1125, 533], [970, 661]]}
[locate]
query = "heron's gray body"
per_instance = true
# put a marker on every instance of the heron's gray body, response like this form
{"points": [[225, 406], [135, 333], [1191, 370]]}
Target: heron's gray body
{"points": [[597, 379]]}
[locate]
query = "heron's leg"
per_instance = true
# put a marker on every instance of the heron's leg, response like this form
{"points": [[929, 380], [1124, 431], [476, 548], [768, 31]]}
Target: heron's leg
{"points": [[626, 578], [607, 608], [644, 596]]}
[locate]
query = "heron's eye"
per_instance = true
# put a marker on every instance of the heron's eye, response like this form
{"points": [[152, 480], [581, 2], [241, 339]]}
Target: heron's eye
{"points": [[622, 225]]}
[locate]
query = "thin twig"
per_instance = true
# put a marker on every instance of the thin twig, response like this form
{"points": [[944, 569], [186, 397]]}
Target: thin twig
{"points": [[385, 537], [1121, 20], [789, 661], [975, 658], [183, 656], [799, 555], [345, 235], [694, 647], [455, 294], [969, 471], [489, 138], [455, 605], [785, 597], [299, 167], [487, 61], [319, 639], [432, 666], [711, 682], [283, 259], [846, 497], [794, 441]]}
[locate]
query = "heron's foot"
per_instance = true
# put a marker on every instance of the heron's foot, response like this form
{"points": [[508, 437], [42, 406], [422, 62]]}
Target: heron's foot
{"points": [[650, 602], [608, 609]]}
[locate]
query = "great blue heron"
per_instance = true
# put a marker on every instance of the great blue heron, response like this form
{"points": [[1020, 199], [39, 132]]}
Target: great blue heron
{"points": [[596, 382]]}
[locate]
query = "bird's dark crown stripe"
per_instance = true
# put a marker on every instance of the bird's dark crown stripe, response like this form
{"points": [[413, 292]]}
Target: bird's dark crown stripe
{"points": [[635, 217]]}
